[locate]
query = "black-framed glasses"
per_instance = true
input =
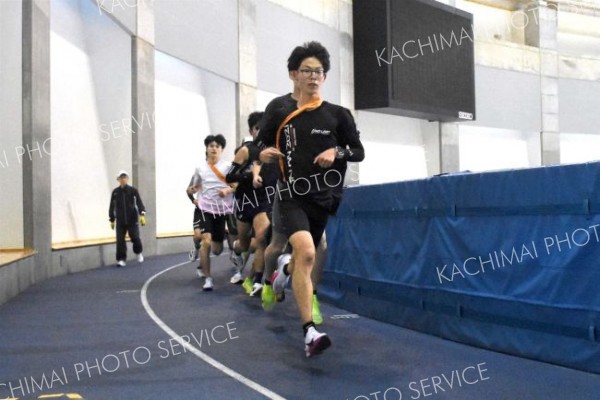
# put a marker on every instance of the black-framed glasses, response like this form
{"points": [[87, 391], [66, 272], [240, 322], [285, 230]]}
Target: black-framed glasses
{"points": [[307, 73]]}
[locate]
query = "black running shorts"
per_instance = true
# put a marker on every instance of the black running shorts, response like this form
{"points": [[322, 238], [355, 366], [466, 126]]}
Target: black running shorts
{"points": [[246, 212], [293, 215], [210, 223]]}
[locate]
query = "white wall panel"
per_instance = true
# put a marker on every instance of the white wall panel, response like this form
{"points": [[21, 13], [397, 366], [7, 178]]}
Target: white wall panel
{"points": [[279, 31], [90, 114], [579, 105], [123, 11], [201, 32], [394, 149], [507, 99], [579, 147], [484, 149], [11, 168]]}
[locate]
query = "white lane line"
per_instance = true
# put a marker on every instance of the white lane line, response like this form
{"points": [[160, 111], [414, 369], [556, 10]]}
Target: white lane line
{"points": [[204, 357]]}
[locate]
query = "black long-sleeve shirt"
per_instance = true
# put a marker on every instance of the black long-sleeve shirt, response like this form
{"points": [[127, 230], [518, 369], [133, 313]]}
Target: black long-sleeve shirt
{"points": [[276, 111], [125, 205], [304, 138], [242, 174]]}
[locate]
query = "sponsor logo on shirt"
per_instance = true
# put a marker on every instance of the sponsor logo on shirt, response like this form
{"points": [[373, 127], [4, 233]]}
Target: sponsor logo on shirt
{"points": [[320, 132], [290, 135]]}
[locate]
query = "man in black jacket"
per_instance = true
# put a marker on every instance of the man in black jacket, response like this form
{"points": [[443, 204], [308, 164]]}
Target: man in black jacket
{"points": [[126, 207]]}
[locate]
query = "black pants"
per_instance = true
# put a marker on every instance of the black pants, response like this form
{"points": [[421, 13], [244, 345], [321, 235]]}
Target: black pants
{"points": [[134, 234]]}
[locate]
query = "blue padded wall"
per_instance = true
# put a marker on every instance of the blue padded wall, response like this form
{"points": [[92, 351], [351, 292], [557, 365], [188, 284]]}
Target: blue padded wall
{"points": [[506, 260]]}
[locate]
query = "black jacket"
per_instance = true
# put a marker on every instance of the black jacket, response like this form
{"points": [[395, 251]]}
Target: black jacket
{"points": [[302, 139], [125, 205]]}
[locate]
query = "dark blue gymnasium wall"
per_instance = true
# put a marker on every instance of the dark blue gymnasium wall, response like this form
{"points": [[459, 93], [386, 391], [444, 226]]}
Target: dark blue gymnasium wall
{"points": [[508, 261]]}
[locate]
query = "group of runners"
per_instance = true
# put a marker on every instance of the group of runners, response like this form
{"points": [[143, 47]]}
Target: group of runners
{"points": [[275, 197]]}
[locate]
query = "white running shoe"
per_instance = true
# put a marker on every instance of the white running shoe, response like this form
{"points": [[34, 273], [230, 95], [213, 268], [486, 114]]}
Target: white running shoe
{"points": [[280, 279], [208, 284], [256, 289], [140, 258], [236, 278], [315, 342], [121, 263], [200, 273]]}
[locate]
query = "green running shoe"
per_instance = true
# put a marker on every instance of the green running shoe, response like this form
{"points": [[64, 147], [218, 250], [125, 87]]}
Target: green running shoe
{"points": [[247, 285], [268, 297], [316, 311]]}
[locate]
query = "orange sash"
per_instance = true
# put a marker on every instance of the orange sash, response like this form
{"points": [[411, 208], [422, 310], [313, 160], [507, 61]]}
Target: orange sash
{"points": [[307, 107], [219, 174]]}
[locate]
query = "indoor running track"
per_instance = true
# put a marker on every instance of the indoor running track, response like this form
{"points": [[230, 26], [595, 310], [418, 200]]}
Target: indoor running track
{"points": [[110, 334]]}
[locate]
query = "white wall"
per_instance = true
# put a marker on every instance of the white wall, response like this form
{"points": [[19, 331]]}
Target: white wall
{"points": [[201, 32], [394, 148], [507, 99], [493, 24], [123, 11], [579, 147], [279, 31], [90, 114], [578, 44], [579, 120], [484, 149], [190, 104], [578, 34], [263, 98], [11, 171], [579, 106], [506, 132]]}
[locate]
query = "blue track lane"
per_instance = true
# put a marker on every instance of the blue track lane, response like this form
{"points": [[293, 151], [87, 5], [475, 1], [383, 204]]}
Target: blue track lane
{"points": [[53, 329]]}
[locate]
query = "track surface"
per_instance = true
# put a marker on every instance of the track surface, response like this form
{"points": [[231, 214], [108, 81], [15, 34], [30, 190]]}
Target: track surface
{"points": [[55, 327]]}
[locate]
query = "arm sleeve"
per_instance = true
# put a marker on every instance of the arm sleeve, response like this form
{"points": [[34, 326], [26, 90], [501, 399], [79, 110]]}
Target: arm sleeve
{"points": [[349, 138], [139, 203], [111, 207], [253, 153], [236, 174], [268, 127], [190, 195], [196, 178]]}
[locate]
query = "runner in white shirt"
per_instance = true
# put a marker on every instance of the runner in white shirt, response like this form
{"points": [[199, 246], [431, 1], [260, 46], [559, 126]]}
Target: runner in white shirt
{"points": [[214, 199]]}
